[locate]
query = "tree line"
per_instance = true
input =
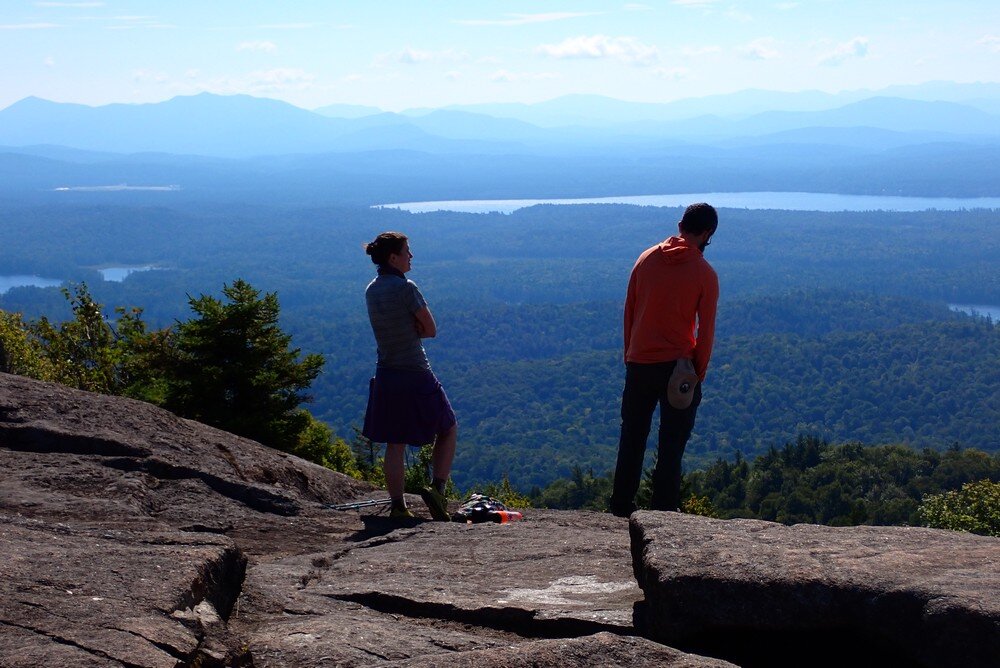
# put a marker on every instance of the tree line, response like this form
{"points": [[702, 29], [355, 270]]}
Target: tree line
{"points": [[809, 480], [231, 366]]}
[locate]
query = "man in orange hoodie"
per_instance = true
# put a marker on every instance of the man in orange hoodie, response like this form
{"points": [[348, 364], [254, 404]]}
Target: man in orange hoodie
{"points": [[669, 330]]}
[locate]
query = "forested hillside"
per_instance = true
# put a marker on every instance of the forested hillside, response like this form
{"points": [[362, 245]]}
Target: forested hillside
{"points": [[810, 480], [833, 324], [926, 384]]}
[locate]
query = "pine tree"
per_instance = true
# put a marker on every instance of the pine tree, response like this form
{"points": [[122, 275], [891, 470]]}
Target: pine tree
{"points": [[232, 367]]}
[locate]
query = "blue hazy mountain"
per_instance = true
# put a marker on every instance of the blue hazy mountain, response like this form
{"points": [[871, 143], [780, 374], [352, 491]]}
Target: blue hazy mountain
{"points": [[884, 112], [598, 110], [203, 124], [601, 111], [347, 111], [244, 126], [241, 148]]}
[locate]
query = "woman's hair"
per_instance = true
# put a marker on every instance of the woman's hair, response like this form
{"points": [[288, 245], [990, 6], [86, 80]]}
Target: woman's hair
{"points": [[385, 245]]}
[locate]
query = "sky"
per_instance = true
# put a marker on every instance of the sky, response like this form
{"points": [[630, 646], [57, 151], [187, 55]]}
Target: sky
{"points": [[397, 55]]}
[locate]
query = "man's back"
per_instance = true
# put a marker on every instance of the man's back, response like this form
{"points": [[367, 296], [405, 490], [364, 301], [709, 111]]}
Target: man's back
{"points": [[672, 290], [669, 316]]}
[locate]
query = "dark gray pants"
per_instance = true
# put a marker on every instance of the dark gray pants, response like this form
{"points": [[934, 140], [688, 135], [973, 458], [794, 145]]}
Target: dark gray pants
{"points": [[645, 387]]}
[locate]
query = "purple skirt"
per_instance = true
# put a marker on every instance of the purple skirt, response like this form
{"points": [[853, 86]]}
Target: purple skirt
{"points": [[406, 406]]}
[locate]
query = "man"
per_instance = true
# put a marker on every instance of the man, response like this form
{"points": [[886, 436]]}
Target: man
{"points": [[669, 328]]}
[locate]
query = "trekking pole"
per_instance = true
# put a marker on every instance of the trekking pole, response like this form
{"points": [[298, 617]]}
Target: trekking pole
{"points": [[354, 505]]}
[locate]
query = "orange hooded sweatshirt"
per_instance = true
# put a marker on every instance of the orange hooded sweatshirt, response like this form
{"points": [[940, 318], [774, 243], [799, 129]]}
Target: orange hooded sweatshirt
{"points": [[670, 306]]}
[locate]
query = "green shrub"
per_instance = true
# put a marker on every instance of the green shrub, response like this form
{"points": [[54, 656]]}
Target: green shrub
{"points": [[974, 508], [506, 494], [20, 351], [699, 505]]}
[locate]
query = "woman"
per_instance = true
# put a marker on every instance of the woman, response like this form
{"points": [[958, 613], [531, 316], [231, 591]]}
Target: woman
{"points": [[406, 403]]}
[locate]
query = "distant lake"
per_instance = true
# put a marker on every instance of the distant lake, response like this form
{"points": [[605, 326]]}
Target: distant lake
{"points": [[118, 274], [118, 187], [20, 281], [978, 309], [753, 200]]}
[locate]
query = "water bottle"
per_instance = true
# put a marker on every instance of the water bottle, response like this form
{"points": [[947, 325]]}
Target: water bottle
{"points": [[505, 516]]}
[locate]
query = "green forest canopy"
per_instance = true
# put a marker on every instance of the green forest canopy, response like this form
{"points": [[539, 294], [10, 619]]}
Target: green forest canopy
{"points": [[830, 323]]}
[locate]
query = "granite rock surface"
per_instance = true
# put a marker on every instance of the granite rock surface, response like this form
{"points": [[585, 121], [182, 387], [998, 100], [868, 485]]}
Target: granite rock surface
{"points": [[876, 595], [131, 537]]}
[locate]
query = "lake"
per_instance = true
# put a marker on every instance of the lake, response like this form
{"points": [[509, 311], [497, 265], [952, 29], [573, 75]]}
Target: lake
{"points": [[114, 274], [978, 309], [120, 187], [118, 274], [20, 281], [789, 201]]}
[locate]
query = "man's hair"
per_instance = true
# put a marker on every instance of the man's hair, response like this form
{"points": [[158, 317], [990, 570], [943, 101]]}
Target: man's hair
{"points": [[385, 245], [699, 218]]}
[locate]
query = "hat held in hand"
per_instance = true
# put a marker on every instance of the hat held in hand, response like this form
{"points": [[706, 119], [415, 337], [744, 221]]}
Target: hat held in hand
{"points": [[683, 380]]}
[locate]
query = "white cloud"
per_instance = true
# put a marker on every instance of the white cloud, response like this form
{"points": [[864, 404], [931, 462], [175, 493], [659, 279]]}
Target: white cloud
{"points": [[991, 42], [696, 51], [672, 73], [28, 26], [284, 26], [411, 56], [763, 48], [625, 49], [261, 82], [352, 78], [503, 76], [414, 56], [856, 48], [263, 46], [49, 61], [637, 7], [133, 22], [149, 76], [453, 75], [290, 26], [506, 76], [280, 79], [74, 5], [525, 19], [694, 3], [786, 6]]}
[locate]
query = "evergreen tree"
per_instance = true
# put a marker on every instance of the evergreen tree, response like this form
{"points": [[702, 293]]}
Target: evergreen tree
{"points": [[232, 367]]}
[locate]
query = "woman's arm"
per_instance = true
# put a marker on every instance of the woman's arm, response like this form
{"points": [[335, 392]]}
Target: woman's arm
{"points": [[424, 322]]}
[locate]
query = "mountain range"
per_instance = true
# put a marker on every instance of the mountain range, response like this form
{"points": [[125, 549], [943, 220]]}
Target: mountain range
{"points": [[241, 126], [933, 140]]}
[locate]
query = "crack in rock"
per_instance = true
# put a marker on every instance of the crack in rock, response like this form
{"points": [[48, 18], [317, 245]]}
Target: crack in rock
{"points": [[72, 643], [45, 439], [169, 649], [254, 497], [219, 582], [524, 623]]}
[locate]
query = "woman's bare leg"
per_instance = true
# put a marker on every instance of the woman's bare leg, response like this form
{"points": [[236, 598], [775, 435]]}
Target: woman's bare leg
{"points": [[444, 453], [393, 467]]}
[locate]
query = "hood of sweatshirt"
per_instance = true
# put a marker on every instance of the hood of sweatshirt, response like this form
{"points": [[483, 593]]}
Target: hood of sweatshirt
{"points": [[676, 250]]}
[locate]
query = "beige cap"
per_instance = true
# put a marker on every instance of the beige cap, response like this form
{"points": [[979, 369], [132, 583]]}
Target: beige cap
{"points": [[683, 380]]}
